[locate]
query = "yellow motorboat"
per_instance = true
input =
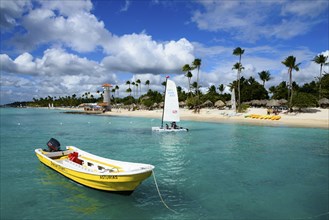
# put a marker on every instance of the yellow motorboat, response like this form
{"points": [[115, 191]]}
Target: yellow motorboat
{"points": [[94, 171]]}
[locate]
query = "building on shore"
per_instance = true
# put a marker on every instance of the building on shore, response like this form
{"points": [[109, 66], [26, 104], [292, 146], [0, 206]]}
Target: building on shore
{"points": [[107, 97]]}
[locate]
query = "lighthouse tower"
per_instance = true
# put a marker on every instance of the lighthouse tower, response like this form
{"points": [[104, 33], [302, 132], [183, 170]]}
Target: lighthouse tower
{"points": [[107, 97]]}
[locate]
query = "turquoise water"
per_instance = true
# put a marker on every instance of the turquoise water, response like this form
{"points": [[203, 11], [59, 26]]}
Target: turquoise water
{"points": [[215, 171]]}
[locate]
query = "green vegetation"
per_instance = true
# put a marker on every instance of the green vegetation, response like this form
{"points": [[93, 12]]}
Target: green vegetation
{"points": [[304, 100], [322, 60]]}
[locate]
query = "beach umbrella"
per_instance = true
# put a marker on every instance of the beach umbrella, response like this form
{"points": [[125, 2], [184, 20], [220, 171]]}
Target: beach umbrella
{"points": [[219, 104], [207, 103], [272, 102]]}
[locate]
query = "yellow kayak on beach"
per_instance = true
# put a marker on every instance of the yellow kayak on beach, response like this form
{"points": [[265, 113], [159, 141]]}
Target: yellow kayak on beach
{"points": [[269, 117], [94, 171]]}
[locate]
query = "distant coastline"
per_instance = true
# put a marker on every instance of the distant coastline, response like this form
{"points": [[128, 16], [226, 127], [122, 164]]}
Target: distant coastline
{"points": [[310, 118]]}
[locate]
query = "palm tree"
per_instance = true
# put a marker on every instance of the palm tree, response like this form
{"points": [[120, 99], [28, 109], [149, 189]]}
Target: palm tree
{"points": [[140, 86], [136, 89], [164, 83], [128, 83], [195, 86], [265, 76], [196, 64], [189, 76], [133, 83], [129, 91], [320, 59], [148, 84], [117, 89], [186, 68], [221, 88], [113, 91], [238, 52], [290, 62], [238, 67]]}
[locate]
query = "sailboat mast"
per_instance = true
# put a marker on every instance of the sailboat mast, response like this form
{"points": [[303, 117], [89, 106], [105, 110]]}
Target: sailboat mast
{"points": [[164, 102]]}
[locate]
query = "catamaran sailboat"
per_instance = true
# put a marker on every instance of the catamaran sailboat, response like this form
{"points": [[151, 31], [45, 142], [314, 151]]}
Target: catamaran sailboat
{"points": [[170, 111]]}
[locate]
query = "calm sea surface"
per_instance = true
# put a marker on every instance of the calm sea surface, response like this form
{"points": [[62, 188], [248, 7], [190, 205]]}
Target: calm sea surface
{"points": [[215, 171]]}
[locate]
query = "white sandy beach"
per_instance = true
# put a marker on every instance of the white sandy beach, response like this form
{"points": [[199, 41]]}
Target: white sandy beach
{"points": [[313, 118]]}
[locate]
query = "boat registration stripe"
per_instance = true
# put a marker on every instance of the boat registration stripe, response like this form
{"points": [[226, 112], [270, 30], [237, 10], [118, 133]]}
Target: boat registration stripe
{"points": [[103, 177]]}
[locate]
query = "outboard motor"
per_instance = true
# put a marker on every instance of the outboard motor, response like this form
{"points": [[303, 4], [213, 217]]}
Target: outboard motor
{"points": [[53, 145]]}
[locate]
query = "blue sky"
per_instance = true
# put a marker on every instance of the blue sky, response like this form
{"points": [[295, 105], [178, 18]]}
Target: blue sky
{"points": [[60, 48]]}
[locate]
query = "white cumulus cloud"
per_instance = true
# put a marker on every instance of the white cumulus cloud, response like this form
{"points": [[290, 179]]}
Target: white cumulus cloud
{"points": [[138, 53]]}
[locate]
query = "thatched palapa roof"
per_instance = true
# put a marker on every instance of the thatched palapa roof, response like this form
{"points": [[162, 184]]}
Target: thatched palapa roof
{"points": [[207, 103], [273, 102], [219, 104]]}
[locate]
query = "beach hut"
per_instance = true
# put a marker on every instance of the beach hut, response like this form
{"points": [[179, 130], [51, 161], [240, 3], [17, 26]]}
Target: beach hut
{"points": [[273, 103], [246, 103], [182, 104], [228, 103], [283, 101], [263, 102], [219, 104], [208, 104], [324, 103], [255, 103]]}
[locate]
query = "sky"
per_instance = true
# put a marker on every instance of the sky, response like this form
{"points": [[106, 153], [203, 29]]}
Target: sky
{"points": [[61, 48]]}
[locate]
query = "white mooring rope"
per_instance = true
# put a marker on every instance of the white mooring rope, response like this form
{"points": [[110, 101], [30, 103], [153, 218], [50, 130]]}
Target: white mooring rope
{"points": [[155, 181]]}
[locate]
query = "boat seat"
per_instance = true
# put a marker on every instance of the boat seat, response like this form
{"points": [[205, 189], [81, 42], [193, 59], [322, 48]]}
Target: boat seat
{"points": [[75, 165]]}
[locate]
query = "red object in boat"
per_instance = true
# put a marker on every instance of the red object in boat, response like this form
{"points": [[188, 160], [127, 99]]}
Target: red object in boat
{"points": [[74, 157]]}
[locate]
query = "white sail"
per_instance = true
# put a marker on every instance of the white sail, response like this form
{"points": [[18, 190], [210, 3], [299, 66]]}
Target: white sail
{"points": [[233, 100], [171, 107]]}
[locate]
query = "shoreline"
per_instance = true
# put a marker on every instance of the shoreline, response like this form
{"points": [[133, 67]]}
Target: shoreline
{"points": [[315, 118]]}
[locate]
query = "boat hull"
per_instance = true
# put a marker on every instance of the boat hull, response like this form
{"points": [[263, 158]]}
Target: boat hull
{"points": [[159, 129], [113, 182]]}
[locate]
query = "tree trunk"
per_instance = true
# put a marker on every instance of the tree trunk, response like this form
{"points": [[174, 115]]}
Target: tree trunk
{"points": [[290, 85], [320, 81]]}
